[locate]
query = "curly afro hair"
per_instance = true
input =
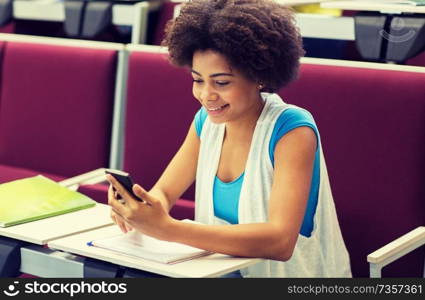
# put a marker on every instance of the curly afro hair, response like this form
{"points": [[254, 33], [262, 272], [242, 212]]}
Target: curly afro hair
{"points": [[258, 37]]}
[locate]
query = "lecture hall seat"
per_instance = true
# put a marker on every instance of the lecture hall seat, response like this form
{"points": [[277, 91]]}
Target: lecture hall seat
{"points": [[373, 131], [56, 104], [370, 117], [160, 109]]}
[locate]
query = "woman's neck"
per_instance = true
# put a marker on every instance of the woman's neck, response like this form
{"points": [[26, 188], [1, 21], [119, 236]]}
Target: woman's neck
{"points": [[243, 128]]}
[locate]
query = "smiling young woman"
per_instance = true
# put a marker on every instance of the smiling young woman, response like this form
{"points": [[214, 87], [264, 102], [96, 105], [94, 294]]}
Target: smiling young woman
{"points": [[262, 188], [226, 94]]}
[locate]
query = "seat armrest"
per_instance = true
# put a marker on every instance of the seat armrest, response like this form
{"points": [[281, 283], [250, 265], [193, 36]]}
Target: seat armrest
{"points": [[396, 249], [92, 177]]}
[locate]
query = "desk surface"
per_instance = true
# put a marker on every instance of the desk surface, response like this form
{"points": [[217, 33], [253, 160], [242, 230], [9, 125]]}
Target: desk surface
{"points": [[213, 265], [42, 231], [299, 2], [54, 10], [286, 2], [371, 5]]}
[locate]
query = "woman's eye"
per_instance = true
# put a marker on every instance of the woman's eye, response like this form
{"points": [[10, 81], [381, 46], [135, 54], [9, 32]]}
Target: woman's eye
{"points": [[222, 83], [197, 80]]}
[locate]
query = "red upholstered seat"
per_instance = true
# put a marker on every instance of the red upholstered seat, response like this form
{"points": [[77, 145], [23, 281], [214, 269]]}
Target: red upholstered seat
{"points": [[418, 60], [165, 14], [372, 126], [8, 173], [98, 192], [160, 109], [56, 107], [373, 132]]}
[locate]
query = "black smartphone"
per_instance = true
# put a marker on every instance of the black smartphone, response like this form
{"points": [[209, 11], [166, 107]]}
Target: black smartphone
{"points": [[125, 180]]}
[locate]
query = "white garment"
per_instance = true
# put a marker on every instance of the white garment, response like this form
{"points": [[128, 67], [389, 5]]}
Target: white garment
{"points": [[324, 253]]}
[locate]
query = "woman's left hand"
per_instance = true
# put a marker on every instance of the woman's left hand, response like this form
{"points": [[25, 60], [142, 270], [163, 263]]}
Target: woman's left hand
{"points": [[147, 216]]}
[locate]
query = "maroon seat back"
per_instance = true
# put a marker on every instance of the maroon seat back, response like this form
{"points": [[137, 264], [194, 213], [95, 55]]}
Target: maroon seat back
{"points": [[372, 124], [56, 107], [160, 109], [166, 13], [418, 60], [373, 132], [2, 48]]}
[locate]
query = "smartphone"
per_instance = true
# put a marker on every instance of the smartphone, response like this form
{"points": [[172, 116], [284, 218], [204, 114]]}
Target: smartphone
{"points": [[125, 180]]}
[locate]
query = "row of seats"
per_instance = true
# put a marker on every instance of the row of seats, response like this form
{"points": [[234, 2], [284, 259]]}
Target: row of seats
{"points": [[159, 15], [56, 106], [71, 108]]}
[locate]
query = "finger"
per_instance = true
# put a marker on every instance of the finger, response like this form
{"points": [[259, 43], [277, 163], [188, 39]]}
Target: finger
{"points": [[113, 214], [118, 187], [128, 227], [144, 195], [122, 227], [113, 218], [121, 220], [117, 206], [110, 193], [121, 223]]}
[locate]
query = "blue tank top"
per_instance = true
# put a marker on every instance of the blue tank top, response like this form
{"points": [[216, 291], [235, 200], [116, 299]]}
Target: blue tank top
{"points": [[226, 194]]}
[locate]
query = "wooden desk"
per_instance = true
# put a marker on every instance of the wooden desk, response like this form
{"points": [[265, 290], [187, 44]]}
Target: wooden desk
{"points": [[213, 265], [42, 231]]}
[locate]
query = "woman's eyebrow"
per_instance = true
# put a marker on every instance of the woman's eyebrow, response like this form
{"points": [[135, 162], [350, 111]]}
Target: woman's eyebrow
{"points": [[213, 75], [221, 74]]}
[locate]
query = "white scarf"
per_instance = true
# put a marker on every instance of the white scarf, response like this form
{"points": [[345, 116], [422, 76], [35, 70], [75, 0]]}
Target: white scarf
{"points": [[324, 253]]}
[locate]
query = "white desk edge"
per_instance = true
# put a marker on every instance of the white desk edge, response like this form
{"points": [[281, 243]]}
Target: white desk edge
{"points": [[42, 231], [213, 265]]}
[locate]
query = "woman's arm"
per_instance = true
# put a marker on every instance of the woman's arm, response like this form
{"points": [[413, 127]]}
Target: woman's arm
{"points": [[176, 178], [275, 239], [294, 159]]}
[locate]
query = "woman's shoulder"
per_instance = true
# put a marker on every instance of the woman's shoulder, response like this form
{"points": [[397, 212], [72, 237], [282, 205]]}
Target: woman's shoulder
{"points": [[294, 116], [291, 118], [200, 118]]}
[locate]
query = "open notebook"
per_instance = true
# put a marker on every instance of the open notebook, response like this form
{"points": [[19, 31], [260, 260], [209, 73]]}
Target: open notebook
{"points": [[35, 198], [139, 245]]}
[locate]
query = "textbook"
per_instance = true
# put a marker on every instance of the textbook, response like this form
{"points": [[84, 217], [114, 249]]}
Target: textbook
{"points": [[34, 198], [139, 245]]}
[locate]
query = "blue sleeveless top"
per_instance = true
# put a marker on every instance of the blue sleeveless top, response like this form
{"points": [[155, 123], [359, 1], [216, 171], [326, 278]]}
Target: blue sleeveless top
{"points": [[226, 194]]}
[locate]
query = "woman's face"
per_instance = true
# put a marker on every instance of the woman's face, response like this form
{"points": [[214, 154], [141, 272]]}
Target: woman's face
{"points": [[226, 94]]}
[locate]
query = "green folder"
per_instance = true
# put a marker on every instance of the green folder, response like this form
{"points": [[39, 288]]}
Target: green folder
{"points": [[35, 198]]}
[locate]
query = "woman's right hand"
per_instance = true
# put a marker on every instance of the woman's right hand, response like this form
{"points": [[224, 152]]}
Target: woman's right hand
{"points": [[122, 224]]}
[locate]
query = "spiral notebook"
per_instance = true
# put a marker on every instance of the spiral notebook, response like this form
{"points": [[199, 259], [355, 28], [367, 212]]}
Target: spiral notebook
{"points": [[142, 246]]}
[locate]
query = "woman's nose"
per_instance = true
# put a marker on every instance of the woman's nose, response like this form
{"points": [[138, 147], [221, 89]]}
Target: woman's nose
{"points": [[208, 94]]}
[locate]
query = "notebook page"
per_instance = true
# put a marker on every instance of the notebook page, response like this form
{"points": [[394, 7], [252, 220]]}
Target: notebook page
{"points": [[136, 244]]}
